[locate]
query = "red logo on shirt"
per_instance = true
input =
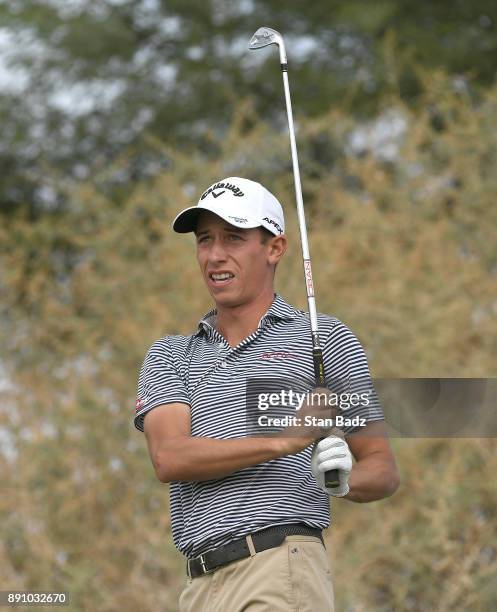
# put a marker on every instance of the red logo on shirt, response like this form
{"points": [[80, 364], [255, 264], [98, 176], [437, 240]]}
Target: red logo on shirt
{"points": [[278, 355], [138, 405]]}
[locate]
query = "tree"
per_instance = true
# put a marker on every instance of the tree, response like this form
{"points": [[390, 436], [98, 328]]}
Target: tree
{"points": [[102, 73]]}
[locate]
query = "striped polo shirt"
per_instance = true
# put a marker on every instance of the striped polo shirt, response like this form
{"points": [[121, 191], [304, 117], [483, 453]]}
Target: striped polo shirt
{"points": [[203, 371]]}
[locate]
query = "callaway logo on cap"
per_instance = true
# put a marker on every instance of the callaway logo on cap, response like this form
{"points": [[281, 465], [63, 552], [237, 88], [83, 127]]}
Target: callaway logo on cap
{"points": [[240, 202]]}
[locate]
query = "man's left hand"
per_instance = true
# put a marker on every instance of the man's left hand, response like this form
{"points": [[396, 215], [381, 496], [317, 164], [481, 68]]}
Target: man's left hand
{"points": [[332, 453]]}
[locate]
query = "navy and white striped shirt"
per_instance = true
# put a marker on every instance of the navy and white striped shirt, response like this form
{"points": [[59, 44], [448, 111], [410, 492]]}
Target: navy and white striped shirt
{"points": [[203, 371]]}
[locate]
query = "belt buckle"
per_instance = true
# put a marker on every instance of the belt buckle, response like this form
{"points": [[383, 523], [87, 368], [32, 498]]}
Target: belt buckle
{"points": [[205, 570]]}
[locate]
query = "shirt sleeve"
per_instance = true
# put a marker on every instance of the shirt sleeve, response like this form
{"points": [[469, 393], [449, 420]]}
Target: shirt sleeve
{"points": [[347, 373], [159, 382]]}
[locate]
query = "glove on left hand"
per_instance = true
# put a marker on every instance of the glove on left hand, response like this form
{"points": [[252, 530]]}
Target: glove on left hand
{"points": [[328, 454]]}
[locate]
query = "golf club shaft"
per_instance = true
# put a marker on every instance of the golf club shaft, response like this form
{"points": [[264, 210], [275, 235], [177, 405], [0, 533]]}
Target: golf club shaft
{"points": [[331, 477]]}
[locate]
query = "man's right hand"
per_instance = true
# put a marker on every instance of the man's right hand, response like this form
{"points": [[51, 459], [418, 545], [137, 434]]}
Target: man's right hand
{"points": [[315, 411]]}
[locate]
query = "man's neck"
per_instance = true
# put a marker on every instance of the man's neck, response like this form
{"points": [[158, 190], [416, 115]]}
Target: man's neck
{"points": [[236, 323]]}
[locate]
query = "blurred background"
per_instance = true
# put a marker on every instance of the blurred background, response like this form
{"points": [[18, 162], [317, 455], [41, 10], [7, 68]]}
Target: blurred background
{"points": [[116, 114]]}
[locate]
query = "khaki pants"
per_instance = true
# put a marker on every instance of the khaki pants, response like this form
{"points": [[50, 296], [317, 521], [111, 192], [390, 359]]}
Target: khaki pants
{"points": [[293, 577]]}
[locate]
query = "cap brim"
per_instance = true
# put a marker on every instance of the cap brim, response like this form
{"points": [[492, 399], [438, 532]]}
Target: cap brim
{"points": [[187, 219]]}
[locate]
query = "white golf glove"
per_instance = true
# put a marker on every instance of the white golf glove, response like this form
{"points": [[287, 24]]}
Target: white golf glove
{"points": [[332, 453]]}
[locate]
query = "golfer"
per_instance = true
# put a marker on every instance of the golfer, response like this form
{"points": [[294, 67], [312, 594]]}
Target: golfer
{"points": [[247, 511]]}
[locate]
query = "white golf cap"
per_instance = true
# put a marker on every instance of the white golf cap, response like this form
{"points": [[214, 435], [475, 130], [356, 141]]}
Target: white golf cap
{"points": [[240, 202]]}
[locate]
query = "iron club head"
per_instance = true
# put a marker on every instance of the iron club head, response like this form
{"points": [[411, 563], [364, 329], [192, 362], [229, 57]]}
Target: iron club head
{"points": [[267, 36], [264, 37]]}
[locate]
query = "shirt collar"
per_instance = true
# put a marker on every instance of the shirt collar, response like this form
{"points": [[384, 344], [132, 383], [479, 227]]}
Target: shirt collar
{"points": [[279, 310]]}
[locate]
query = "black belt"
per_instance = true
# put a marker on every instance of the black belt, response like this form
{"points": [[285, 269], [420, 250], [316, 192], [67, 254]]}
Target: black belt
{"points": [[238, 549]]}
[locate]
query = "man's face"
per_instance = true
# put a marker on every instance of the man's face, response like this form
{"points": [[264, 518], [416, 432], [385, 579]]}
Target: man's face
{"points": [[237, 266]]}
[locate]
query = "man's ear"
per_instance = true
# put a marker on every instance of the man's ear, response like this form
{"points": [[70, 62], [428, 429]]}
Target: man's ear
{"points": [[277, 248]]}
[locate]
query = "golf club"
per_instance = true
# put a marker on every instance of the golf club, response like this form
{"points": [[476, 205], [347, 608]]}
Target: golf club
{"points": [[262, 38]]}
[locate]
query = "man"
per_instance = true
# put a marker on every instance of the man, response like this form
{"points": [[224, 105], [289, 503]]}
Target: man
{"points": [[248, 510]]}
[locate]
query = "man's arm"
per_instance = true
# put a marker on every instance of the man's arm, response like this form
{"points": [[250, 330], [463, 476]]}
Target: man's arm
{"points": [[177, 455], [374, 475]]}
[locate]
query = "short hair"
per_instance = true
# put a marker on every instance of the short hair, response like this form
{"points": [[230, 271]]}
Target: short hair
{"points": [[265, 234]]}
